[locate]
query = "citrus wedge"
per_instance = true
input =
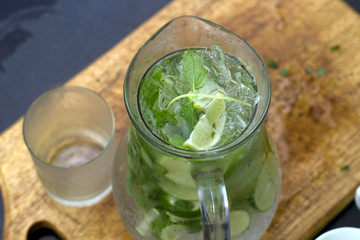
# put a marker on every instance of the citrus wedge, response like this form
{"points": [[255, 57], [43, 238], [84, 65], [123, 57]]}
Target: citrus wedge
{"points": [[208, 130]]}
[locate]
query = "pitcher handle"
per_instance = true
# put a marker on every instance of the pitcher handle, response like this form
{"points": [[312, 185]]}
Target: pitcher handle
{"points": [[214, 204]]}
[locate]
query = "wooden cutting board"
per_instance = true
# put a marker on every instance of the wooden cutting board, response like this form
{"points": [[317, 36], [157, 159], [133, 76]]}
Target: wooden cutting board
{"points": [[314, 120]]}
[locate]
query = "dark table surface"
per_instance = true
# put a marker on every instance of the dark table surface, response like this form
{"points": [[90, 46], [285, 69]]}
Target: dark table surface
{"points": [[43, 43]]}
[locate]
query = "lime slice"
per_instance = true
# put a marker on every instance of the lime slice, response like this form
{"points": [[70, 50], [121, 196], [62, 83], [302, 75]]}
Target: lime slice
{"points": [[239, 222], [267, 184], [208, 130]]}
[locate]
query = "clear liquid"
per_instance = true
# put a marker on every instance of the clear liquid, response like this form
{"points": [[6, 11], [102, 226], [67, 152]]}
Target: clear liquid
{"points": [[71, 147], [74, 151]]}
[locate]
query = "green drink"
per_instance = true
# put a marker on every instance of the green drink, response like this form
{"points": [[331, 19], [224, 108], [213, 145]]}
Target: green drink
{"points": [[198, 99], [198, 153]]}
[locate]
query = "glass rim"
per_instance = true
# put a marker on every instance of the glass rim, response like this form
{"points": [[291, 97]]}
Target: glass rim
{"points": [[69, 87], [196, 154]]}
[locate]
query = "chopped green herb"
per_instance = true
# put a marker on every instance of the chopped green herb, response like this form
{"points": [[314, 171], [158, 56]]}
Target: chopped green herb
{"points": [[321, 72], [285, 72], [335, 48], [345, 168], [212, 134], [308, 70], [272, 64]]}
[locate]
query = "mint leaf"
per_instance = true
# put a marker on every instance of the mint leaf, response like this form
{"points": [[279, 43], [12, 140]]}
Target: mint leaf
{"points": [[193, 226], [248, 84], [187, 112], [335, 48], [159, 224], [284, 72], [345, 168], [163, 117], [321, 72], [177, 140], [272, 64], [150, 88], [180, 205], [194, 71], [308, 70]]}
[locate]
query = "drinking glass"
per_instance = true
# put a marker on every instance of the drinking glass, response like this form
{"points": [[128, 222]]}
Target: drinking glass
{"points": [[69, 132]]}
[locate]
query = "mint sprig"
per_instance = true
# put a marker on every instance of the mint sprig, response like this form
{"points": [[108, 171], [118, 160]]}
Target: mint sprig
{"points": [[196, 75]]}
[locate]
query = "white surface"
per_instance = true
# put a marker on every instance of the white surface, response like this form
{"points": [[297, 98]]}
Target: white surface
{"points": [[357, 197], [344, 233]]}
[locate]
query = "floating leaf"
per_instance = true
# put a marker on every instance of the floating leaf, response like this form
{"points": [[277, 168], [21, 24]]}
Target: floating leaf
{"points": [[272, 64]]}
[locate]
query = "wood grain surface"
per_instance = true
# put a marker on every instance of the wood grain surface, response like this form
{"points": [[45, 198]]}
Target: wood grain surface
{"points": [[313, 119]]}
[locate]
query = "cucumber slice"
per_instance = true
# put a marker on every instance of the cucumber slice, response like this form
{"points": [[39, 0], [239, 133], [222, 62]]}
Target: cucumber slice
{"points": [[145, 226], [241, 179], [265, 194], [270, 142], [178, 191], [239, 222], [178, 171], [172, 232], [178, 181], [267, 184]]}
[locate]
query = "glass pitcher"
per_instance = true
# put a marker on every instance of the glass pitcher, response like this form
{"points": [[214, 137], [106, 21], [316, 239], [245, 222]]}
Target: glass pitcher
{"points": [[165, 192]]}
